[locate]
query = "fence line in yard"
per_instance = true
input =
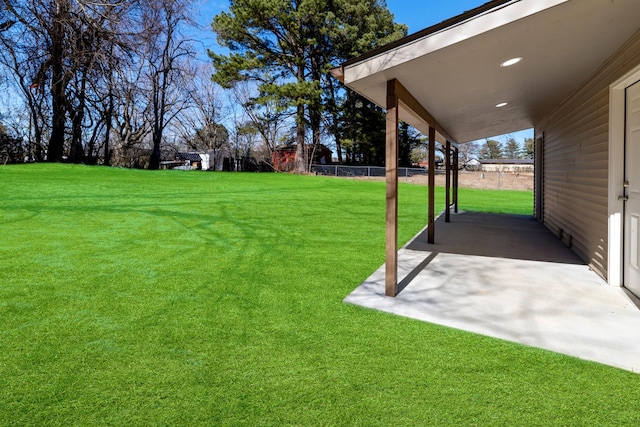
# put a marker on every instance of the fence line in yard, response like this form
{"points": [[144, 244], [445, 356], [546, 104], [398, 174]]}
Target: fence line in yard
{"points": [[364, 171]]}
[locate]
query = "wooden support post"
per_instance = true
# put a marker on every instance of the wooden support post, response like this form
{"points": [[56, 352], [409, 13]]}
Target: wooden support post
{"points": [[455, 181], [398, 95], [391, 163], [432, 184], [447, 181]]}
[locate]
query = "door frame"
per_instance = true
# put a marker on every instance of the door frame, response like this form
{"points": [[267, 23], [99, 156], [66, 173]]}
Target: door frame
{"points": [[538, 182], [617, 117]]}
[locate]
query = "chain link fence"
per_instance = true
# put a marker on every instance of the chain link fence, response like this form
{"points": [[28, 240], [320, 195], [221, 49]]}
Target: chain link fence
{"points": [[364, 171]]}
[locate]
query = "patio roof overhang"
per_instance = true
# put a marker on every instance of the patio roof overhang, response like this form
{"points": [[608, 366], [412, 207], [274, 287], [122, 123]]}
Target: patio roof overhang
{"points": [[454, 70]]}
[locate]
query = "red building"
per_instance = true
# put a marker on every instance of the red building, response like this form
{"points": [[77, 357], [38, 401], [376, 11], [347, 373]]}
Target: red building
{"points": [[284, 157]]}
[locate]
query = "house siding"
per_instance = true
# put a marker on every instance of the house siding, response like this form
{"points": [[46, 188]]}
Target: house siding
{"points": [[575, 164]]}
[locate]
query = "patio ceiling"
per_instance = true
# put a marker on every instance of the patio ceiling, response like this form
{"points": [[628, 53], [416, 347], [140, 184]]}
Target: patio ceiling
{"points": [[453, 69]]}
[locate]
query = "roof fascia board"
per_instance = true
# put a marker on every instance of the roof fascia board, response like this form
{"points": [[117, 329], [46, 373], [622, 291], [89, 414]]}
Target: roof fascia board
{"points": [[442, 38], [413, 107], [430, 30]]}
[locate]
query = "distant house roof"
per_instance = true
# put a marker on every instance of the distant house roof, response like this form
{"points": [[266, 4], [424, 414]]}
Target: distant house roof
{"points": [[192, 157], [506, 161]]}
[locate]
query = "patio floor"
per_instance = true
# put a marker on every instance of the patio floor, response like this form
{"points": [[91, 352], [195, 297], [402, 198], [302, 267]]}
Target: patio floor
{"points": [[508, 277]]}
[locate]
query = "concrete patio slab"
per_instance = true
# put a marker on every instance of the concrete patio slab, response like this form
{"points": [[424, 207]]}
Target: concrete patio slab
{"points": [[508, 277]]}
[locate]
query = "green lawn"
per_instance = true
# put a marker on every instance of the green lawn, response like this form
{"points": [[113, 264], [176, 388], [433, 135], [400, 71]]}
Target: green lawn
{"points": [[185, 298]]}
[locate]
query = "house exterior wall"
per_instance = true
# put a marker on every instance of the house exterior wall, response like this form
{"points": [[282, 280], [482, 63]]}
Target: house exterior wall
{"points": [[576, 159]]}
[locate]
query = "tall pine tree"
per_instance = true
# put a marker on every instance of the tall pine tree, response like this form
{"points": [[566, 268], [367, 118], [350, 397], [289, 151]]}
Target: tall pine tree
{"points": [[288, 46]]}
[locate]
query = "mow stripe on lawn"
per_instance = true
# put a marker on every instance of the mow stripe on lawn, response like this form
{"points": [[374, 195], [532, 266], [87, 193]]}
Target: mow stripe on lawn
{"points": [[169, 298]]}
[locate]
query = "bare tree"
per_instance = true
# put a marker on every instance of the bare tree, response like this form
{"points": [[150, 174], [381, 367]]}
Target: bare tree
{"points": [[467, 152], [23, 55], [269, 119], [242, 144], [200, 124], [59, 48], [131, 108], [167, 54]]}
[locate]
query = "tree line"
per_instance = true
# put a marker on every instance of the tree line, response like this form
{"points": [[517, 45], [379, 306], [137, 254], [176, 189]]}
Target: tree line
{"points": [[510, 149], [118, 82], [93, 76]]}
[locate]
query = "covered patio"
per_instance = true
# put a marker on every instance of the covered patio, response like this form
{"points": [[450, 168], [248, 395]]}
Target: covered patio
{"points": [[564, 68], [502, 67], [508, 277]]}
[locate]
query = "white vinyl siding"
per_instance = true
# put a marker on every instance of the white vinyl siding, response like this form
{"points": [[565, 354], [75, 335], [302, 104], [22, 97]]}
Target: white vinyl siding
{"points": [[576, 159]]}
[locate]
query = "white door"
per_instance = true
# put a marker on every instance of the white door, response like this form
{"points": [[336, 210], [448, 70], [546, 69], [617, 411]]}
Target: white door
{"points": [[632, 190]]}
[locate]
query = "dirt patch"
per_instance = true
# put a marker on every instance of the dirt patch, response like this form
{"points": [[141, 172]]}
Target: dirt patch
{"points": [[482, 180], [486, 180]]}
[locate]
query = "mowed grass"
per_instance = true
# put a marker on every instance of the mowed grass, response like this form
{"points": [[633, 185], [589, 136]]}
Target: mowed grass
{"points": [[168, 298]]}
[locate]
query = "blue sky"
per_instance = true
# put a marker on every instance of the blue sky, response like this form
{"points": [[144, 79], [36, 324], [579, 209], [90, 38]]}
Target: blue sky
{"points": [[421, 14]]}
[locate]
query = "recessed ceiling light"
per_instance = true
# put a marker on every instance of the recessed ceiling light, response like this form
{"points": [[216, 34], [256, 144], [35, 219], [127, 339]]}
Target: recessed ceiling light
{"points": [[511, 61], [502, 104]]}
